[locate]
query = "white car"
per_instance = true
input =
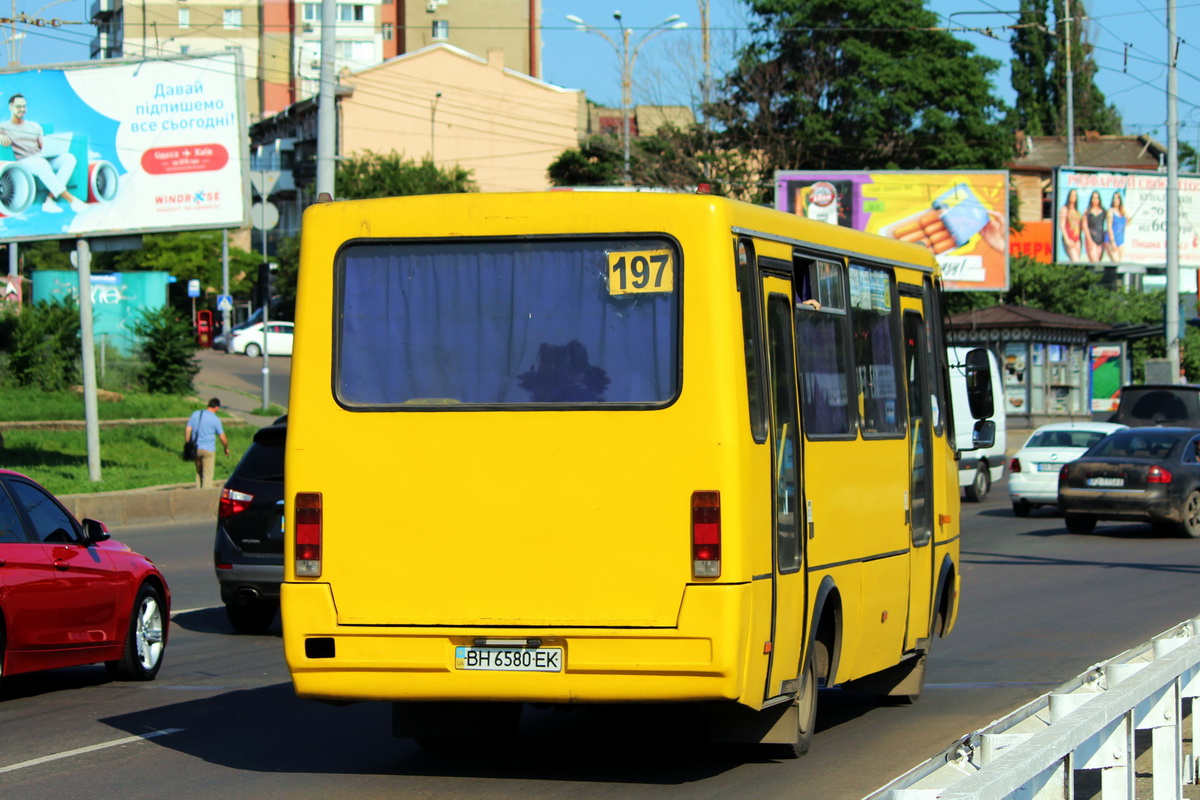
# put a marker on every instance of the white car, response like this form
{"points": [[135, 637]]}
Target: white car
{"points": [[1033, 471], [249, 340]]}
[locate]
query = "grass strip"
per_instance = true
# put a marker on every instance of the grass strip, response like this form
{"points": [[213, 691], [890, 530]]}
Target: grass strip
{"points": [[131, 457]]}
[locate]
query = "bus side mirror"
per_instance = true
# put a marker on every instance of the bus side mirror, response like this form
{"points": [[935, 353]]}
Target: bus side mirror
{"points": [[979, 385], [984, 435]]}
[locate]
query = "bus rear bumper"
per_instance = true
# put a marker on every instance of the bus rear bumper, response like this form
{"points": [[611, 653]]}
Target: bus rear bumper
{"points": [[699, 660]]}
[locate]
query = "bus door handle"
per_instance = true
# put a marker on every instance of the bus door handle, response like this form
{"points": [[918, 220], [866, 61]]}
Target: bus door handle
{"points": [[812, 530], [907, 510]]}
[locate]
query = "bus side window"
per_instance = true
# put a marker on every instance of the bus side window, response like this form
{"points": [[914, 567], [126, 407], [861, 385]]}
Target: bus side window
{"points": [[874, 322], [822, 347], [747, 286], [938, 378]]}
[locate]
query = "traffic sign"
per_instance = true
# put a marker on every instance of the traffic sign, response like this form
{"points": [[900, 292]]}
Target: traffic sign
{"points": [[264, 180], [194, 288], [224, 302], [264, 216]]}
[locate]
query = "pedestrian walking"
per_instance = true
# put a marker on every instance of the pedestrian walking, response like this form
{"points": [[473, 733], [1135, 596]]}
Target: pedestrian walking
{"points": [[205, 427]]}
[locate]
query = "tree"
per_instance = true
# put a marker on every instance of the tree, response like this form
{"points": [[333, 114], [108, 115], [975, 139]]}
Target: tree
{"points": [[1090, 110], [1034, 49], [599, 161], [287, 256], [167, 345], [860, 84], [369, 174], [189, 255]]}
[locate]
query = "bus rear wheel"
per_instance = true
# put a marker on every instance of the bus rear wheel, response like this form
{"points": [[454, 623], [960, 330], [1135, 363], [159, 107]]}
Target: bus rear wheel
{"points": [[806, 707]]}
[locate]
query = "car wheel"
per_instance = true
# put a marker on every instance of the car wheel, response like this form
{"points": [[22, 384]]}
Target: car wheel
{"points": [[1190, 524], [978, 488], [253, 350], [251, 617], [145, 640], [1079, 524], [1021, 508]]}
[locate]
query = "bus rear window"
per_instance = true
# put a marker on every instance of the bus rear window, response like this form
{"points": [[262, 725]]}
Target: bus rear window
{"points": [[555, 322]]}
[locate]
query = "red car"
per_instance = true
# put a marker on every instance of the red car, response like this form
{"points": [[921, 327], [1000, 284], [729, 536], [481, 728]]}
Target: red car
{"points": [[70, 595]]}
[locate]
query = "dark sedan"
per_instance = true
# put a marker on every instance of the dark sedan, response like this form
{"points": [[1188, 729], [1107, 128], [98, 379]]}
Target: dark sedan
{"points": [[1136, 475], [248, 554]]}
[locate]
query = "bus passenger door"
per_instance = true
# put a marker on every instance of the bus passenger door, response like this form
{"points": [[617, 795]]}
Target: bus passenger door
{"points": [[920, 492], [787, 578]]}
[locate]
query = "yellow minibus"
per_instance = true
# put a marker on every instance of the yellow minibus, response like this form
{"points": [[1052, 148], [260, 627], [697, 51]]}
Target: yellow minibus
{"points": [[600, 447]]}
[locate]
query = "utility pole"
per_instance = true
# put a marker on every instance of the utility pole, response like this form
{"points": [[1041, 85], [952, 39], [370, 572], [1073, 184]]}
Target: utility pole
{"points": [[706, 55], [91, 412], [1070, 92], [1172, 314], [225, 312], [326, 102]]}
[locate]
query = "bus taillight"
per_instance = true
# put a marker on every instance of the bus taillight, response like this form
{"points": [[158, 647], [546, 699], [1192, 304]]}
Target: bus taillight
{"points": [[706, 534], [308, 534]]}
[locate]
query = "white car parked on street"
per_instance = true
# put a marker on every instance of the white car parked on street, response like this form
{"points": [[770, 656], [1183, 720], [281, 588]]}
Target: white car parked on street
{"points": [[249, 340], [1033, 471]]}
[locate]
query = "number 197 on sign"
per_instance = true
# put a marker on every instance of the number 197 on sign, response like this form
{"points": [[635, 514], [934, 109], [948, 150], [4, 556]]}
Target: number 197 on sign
{"points": [[641, 271]]}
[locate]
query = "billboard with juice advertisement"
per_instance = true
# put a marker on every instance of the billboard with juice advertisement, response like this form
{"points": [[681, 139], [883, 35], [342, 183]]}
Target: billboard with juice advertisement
{"points": [[961, 216], [121, 147]]}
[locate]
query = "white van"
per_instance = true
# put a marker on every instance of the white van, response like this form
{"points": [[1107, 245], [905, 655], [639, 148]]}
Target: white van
{"points": [[977, 469]]}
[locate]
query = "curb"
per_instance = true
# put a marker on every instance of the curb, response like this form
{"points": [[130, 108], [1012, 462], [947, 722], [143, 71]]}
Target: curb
{"points": [[180, 502]]}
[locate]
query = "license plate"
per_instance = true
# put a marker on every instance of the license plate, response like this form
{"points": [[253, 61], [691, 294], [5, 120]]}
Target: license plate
{"points": [[1106, 482], [1049, 467], [509, 659]]}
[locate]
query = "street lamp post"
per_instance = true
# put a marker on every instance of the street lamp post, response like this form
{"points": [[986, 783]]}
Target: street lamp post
{"points": [[432, 129], [628, 58]]}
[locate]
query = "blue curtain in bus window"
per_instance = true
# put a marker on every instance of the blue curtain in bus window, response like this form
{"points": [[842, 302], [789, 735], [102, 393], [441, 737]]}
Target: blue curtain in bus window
{"points": [[502, 323], [824, 374]]}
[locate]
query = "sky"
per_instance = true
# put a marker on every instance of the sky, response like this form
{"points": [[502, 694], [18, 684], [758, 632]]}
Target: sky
{"points": [[1130, 37]]}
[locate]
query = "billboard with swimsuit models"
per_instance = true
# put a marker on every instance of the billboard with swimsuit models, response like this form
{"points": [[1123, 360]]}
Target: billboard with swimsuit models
{"points": [[1109, 217]]}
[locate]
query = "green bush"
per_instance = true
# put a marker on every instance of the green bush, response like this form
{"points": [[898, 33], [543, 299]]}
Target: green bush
{"points": [[167, 348], [43, 345]]}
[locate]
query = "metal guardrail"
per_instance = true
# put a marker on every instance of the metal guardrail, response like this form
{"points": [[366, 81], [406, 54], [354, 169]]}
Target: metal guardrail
{"points": [[1088, 723]]}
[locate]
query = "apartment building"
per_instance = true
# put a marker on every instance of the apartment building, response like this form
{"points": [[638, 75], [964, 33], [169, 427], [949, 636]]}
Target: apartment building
{"points": [[280, 39], [441, 103]]}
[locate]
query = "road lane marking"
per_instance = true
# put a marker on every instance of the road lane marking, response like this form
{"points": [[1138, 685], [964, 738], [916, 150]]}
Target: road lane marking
{"points": [[89, 749], [175, 611], [988, 684]]}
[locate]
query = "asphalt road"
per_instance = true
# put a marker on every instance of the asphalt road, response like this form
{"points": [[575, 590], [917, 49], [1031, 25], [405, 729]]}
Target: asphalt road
{"points": [[1039, 606], [238, 380]]}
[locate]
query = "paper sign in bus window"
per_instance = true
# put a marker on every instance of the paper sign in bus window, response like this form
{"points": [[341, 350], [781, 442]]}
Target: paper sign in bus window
{"points": [[641, 272]]}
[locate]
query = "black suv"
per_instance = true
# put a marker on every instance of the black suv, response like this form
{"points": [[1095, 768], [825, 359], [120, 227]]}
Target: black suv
{"points": [[1159, 404], [249, 549]]}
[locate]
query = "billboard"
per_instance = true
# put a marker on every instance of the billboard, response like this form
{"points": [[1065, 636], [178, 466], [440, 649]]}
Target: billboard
{"points": [[118, 299], [105, 148], [1118, 217], [961, 216], [1108, 374]]}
